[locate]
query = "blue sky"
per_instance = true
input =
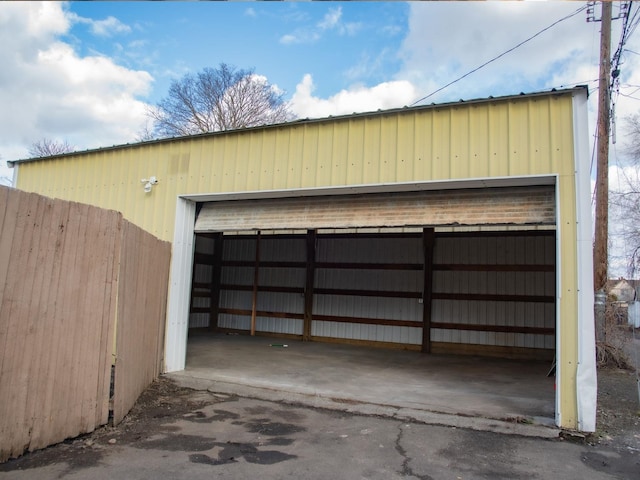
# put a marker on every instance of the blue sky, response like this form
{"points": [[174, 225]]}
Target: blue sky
{"points": [[87, 72], [341, 43]]}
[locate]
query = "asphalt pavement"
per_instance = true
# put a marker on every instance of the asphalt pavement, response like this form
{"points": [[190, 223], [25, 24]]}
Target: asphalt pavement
{"points": [[202, 435]]}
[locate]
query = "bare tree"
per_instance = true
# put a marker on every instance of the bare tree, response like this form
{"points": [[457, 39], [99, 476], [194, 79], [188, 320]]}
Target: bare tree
{"points": [[4, 180], [214, 99], [48, 147], [145, 134], [625, 199]]}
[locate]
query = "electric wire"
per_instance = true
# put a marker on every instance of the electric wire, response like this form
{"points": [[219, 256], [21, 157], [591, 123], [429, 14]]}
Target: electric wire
{"points": [[581, 9], [629, 96], [629, 25]]}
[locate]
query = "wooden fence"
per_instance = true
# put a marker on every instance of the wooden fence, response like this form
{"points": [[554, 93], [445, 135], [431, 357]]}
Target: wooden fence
{"points": [[71, 276]]}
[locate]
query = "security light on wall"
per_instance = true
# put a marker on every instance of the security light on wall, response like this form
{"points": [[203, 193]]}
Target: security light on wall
{"points": [[149, 183]]}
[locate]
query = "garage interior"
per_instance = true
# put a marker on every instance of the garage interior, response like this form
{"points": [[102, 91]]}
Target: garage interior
{"points": [[440, 301]]}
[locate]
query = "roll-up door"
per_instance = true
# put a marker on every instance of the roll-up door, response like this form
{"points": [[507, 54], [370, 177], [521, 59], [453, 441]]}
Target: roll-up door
{"points": [[491, 206]]}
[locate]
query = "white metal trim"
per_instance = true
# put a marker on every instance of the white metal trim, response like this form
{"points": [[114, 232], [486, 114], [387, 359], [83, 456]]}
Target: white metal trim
{"points": [[481, 182], [558, 356], [177, 324], [586, 375], [14, 180]]}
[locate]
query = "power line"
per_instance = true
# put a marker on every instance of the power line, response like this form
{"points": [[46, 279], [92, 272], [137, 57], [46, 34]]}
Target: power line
{"points": [[574, 84], [629, 24], [581, 9], [628, 96]]}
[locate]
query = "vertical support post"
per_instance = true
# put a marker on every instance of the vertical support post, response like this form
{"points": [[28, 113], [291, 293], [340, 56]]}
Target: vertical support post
{"points": [[216, 272], [309, 283], [428, 237], [254, 299]]}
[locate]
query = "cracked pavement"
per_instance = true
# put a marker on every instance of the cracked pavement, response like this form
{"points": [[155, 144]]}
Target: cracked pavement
{"points": [[185, 434]]}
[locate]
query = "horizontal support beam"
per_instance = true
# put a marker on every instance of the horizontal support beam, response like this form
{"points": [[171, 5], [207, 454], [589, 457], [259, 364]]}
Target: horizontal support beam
{"points": [[203, 258], [367, 321], [493, 328], [199, 310], [367, 293], [459, 267], [367, 343], [261, 313], [262, 264], [516, 353], [262, 288], [324, 318], [489, 297], [371, 266], [195, 294]]}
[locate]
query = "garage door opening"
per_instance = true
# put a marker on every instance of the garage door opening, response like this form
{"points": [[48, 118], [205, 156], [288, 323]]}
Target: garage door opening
{"points": [[482, 303], [437, 300], [486, 293]]}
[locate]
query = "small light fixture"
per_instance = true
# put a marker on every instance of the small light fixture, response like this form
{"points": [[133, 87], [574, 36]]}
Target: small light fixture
{"points": [[149, 183]]}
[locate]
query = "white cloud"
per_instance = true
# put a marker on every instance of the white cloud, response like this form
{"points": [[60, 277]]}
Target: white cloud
{"points": [[88, 101], [250, 12], [288, 39], [300, 36], [369, 66], [333, 21], [448, 39], [109, 26], [330, 19], [357, 99], [103, 28]]}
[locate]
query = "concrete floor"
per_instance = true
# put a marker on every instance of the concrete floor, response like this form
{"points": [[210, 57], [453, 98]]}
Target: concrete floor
{"points": [[443, 389]]}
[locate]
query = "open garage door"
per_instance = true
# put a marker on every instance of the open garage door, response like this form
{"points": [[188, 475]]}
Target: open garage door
{"points": [[444, 291], [490, 206]]}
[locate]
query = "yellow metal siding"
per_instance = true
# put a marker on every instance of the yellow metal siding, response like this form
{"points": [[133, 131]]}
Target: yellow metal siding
{"points": [[527, 136], [568, 327]]}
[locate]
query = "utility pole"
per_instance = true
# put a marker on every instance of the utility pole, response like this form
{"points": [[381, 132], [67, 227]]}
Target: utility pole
{"points": [[600, 247]]}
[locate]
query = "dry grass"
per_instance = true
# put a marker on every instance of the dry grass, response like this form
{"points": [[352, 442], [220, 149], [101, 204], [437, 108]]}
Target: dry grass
{"points": [[612, 351]]}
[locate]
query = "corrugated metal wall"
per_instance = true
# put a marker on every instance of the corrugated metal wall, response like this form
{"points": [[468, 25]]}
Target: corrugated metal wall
{"points": [[280, 284], [515, 136], [489, 289], [201, 284], [469, 271], [369, 262], [63, 286]]}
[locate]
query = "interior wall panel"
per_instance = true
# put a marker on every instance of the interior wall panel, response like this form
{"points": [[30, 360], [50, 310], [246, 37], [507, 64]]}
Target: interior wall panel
{"points": [[528, 270]]}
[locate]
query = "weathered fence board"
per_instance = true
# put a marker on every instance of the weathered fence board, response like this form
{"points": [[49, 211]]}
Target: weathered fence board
{"points": [[70, 276], [145, 266]]}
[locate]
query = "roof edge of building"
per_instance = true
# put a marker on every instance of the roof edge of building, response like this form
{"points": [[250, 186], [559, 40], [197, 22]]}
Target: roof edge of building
{"points": [[304, 121]]}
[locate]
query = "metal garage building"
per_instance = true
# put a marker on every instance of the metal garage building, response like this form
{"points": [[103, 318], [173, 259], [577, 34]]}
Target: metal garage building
{"points": [[457, 228]]}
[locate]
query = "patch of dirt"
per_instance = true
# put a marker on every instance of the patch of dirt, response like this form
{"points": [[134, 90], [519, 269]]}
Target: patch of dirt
{"points": [[160, 403], [618, 413]]}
